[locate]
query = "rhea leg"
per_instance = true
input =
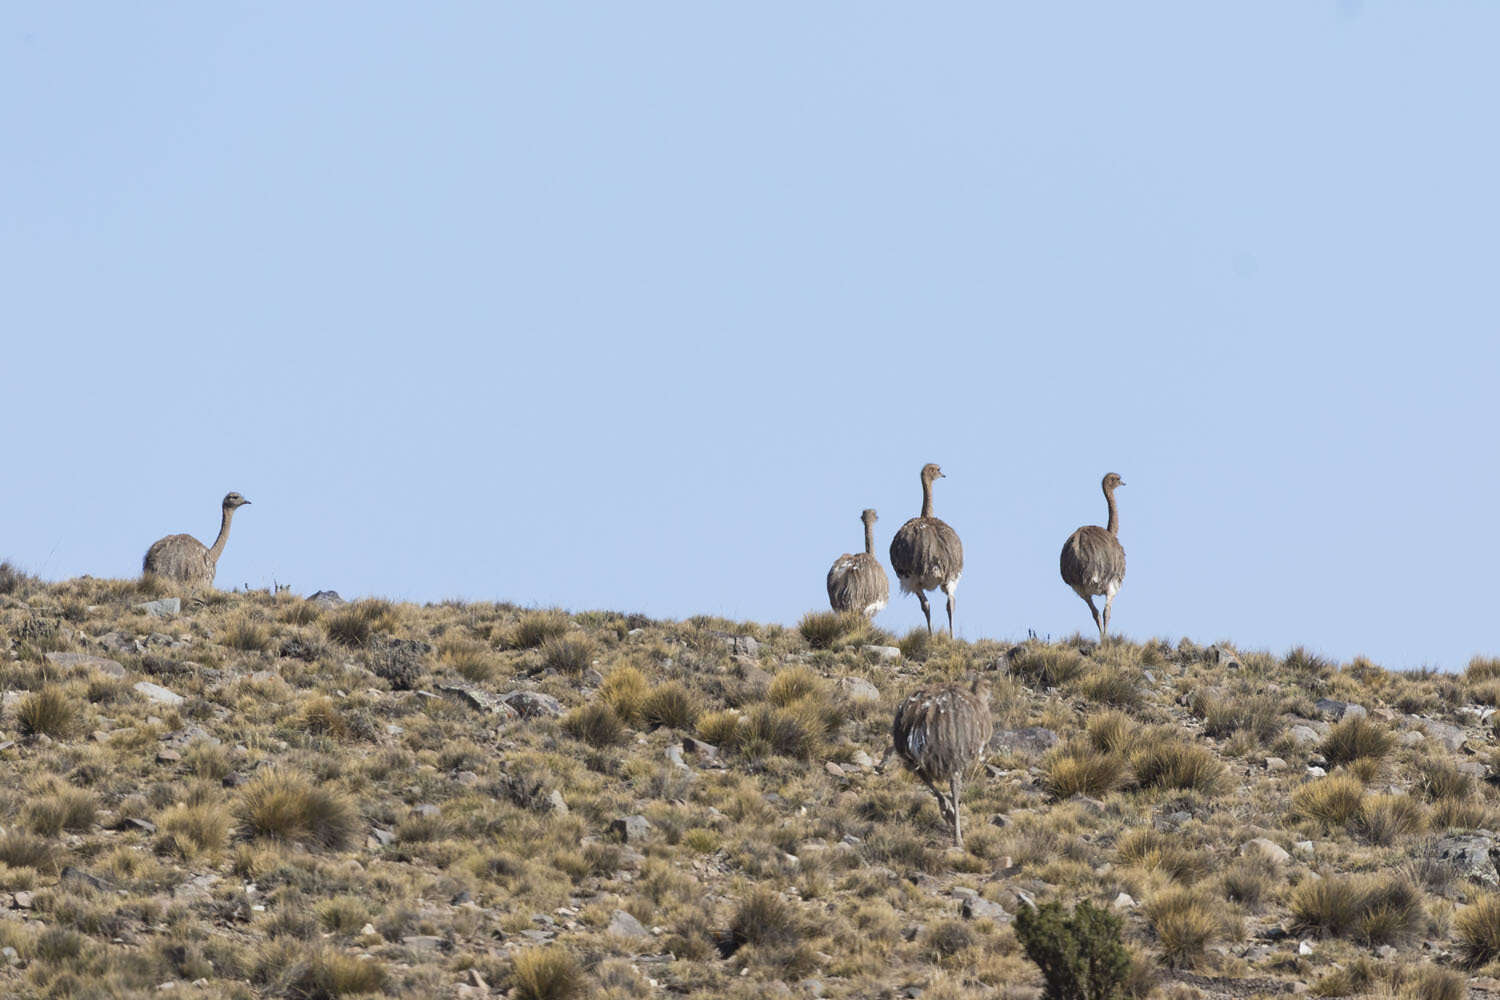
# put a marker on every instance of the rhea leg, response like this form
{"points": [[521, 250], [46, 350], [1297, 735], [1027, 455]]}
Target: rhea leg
{"points": [[1109, 599], [952, 602], [1098, 623], [926, 610], [958, 833], [947, 811]]}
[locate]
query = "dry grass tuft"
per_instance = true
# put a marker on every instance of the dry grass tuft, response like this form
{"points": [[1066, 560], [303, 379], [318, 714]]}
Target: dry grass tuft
{"points": [[1048, 666], [287, 806], [537, 627], [595, 724], [547, 973], [1383, 819], [568, 654], [1078, 769], [1355, 737], [1174, 764], [1330, 801], [1372, 909], [47, 712], [1185, 922], [1478, 928], [825, 629], [671, 705], [624, 689]]}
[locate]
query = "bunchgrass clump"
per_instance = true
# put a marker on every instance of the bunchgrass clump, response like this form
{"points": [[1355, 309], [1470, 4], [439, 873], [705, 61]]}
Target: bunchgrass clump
{"points": [[197, 829], [47, 712], [286, 806], [1147, 848], [1112, 731], [60, 807], [354, 624], [595, 724], [765, 919], [1383, 819], [546, 973], [624, 689], [1111, 685], [13, 580], [824, 629], [1478, 927], [1179, 765], [26, 850], [568, 654], [1258, 715], [1186, 921], [246, 636], [1329, 801], [1078, 769], [1355, 737], [1048, 666], [795, 683], [785, 732], [1371, 909], [671, 705], [537, 627]]}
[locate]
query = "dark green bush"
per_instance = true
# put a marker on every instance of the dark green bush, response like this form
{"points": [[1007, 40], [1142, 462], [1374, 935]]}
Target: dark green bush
{"points": [[1080, 955]]}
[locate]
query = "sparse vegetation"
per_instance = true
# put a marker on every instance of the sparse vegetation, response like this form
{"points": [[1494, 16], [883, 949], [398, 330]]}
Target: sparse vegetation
{"points": [[1080, 955], [340, 803]]}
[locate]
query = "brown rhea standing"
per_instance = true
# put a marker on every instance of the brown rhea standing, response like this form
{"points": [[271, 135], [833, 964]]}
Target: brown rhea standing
{"points": [[856, 581], [185, 559], [1093, 560], [941, 735], [926, 553]]}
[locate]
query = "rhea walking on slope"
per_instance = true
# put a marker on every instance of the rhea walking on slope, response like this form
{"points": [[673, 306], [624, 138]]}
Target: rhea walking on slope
{"points": [[1093, 560], [857, 582], [926, 553], [941, 735], [185, 559]]}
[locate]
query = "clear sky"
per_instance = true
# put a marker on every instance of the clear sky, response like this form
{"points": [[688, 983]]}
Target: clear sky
{"points": [[637, 306]]}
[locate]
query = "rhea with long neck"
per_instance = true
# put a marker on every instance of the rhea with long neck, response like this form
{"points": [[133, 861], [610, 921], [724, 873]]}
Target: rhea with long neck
{"points": [[1108, 485], [929, 473], [869, 518], [217, 548]]}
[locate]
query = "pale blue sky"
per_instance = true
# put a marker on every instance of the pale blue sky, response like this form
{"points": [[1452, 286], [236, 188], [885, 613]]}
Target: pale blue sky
{"points": [[638, 305]]}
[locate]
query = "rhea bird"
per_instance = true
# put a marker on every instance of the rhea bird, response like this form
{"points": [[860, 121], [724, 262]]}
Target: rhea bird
{"points": [[185, 559], [856, 581], [926, 553], [941, 735], [1093, 560]]}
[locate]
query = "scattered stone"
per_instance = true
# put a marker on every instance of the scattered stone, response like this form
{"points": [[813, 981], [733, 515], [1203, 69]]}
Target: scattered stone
{"points": [[1123, 901], [1275, 764], [631, 829], [1336, 710], [157, 693], [746, 645], [557, 803], [705, 752], [1268, 849], [424, 942], [861, 759], [69, 661], [24, 900], [427, 810], [858, 689], [882, 654], [198, 889], [1222, 657], [11, 956], [116, 642], [1304, 735], [674, 757], [1448, 735], [1470, 856], [1412, 738], [1305, 948], [623, 924], [533, 704], [384, 838], [164, 608], [327, 599], [136, 823], [978, 908], [1303, 847], [1314, 771], [368, 930], [478, 698], [166, 755], [834, 770], [1032, 741]]}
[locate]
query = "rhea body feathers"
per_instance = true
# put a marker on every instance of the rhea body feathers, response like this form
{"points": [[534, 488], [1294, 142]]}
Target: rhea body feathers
{"points": [[186, 560], [926, 553], [1093, 560], [856, 581], [941, 735]]}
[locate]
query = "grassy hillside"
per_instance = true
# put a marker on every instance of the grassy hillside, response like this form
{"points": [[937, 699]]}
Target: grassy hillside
{"points": [[321, 800]]}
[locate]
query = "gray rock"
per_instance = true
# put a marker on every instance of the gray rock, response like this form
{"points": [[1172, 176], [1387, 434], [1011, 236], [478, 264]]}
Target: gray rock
{"points": [[1413, 738], [1268, 849], [136, 823], [327, 599], [157, 693], [623, 924], [1033, 741], [532, 704], [424, 942], [745, 644], [1304, 735], [631, 829], [384, 838], [1123, 901], [1219, 656], [72, 661], [1275, 764], [1448, 735], [478, 698], [1314, 771], [557, 803], [882, 654], [977, 907], [858, 689], [427, 810], [674, 757], [117, 643], [1470, 856], [164, 608], [1336, 710]]}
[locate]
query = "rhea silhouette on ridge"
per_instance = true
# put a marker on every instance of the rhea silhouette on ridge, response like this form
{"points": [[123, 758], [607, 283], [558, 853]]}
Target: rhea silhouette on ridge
{"points": [[185, 559], [926, 553], [941, 735], [856, 581], [1093, 560]]}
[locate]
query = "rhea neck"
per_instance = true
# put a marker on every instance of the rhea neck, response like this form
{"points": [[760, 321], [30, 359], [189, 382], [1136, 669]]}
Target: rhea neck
{"points": [[1114, 512], [218, 546], [869, 538], [926, 496]]}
